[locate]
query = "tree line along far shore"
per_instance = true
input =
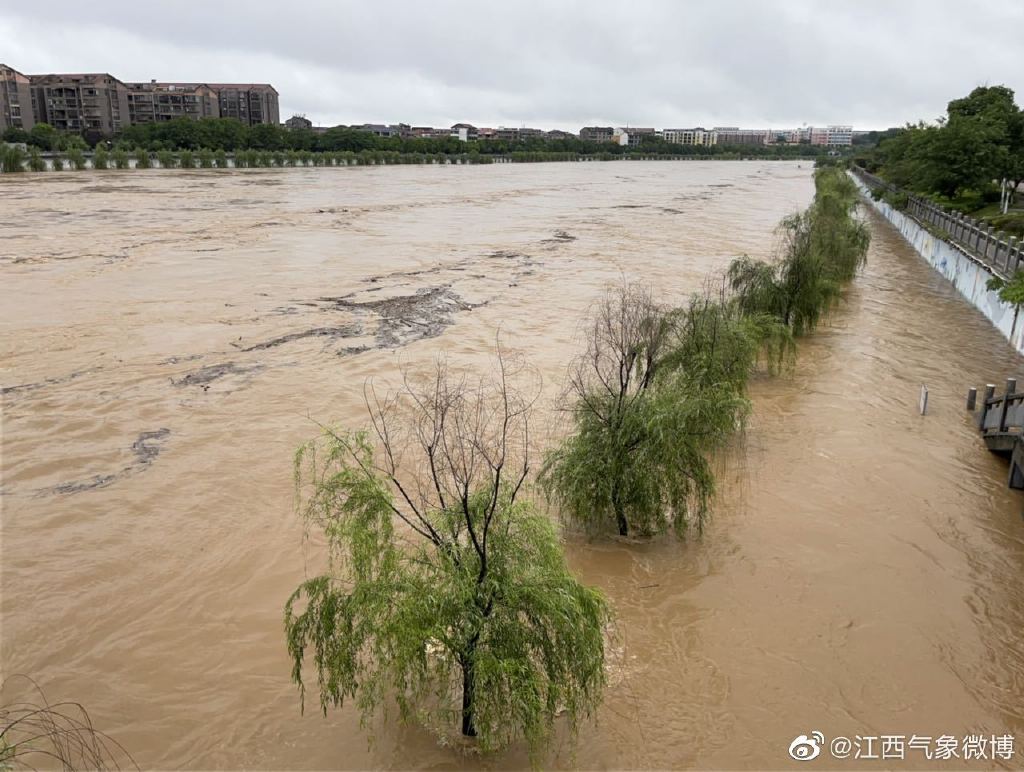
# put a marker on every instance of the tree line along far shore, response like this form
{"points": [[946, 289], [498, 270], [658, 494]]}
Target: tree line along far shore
{"points": [[220, 142]]}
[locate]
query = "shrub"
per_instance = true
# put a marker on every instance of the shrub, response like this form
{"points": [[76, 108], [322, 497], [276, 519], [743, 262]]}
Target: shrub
{"points": [[35, 160], [12, 159], [100, 158]]}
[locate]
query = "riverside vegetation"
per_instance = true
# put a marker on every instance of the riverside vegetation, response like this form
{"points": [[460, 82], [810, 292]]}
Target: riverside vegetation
{"points": [[447, 594], [960, 160], [221, 142]]}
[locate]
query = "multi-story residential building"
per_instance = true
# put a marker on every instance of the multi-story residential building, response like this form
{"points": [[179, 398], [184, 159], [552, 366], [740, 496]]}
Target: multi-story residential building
{"points": [[783, 136], [817, 135], [839, 136], [559, 134], [465, 131], [251, 103], [637, 134], [597, 133], [298, 122], [732, 135], [15, 100], [512, 134], [154, 102], [696, 136], [423, 132], [80, 102], [386, 130]]}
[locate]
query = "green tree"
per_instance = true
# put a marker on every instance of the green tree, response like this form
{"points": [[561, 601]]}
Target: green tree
{"points": [[1010, 291], [447, 591], [821, 248], [645, 422], [43, 136], [15, 134], [142, 159], [265, 136], [120, 158], [66, 141]]}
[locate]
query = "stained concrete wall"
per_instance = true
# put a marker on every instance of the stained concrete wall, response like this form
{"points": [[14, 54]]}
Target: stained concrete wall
{"points": [[966, 273]]}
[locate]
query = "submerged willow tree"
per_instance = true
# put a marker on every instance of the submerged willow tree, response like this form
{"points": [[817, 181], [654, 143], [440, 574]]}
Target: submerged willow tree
{"points": [[652, 400], [447, 594], [821, 248]]}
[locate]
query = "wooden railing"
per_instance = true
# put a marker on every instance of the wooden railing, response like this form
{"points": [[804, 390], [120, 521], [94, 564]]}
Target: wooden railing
{"points": [[1000, 253]]}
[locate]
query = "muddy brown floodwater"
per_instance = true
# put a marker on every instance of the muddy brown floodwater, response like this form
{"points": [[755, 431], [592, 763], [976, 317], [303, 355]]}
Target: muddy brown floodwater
{"points": [[167, 337]]}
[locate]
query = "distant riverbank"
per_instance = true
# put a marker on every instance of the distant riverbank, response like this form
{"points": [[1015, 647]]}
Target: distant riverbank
{"points": [[15, 159]]}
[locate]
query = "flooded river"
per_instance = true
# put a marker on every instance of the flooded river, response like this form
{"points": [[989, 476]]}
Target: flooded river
{"points": [[168, 337]]}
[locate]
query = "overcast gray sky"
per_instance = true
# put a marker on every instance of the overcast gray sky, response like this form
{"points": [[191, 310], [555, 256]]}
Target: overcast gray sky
{"points": [[554, 64]]}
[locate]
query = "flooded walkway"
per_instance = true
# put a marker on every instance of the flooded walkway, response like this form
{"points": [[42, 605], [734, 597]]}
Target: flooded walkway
{"points": [[168, 335]]}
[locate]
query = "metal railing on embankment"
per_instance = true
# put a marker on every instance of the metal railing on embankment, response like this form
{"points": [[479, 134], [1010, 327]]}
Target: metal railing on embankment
{"points": [[1000, 253]]}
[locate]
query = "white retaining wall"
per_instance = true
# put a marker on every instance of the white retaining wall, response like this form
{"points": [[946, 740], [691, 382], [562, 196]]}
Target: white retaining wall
{"points": [[967, 274]]}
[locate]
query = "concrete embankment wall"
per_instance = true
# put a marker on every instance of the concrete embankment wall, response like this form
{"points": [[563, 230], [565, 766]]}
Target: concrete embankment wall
{"points": [[968, 274]]}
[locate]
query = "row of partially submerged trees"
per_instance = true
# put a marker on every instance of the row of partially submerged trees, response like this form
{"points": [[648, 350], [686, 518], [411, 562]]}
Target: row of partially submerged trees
{"points": [[448, 595], [14, 159]]}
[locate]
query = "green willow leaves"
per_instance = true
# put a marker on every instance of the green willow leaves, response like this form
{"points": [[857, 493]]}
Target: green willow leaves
{"points": [[658, 391], [822, 248], [447, 593]]}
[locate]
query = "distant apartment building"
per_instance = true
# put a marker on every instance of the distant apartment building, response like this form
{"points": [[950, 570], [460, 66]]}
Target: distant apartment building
{"points": [[696, 136], [559, 134], [817, 135], [465, 131], [839, 136], [385, 130], [784, 136], [154, 102], [298, 122], [732, 135], [513, 134], [637, 134], [77, 102], [597, 133], [251, 103], [15, 100]]}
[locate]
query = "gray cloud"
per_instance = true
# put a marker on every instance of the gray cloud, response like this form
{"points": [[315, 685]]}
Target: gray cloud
{"points": [[549, 64]]}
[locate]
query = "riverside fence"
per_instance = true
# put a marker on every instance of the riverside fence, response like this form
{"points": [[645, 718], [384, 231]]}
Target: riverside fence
{"points": [[1000, 253]]}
